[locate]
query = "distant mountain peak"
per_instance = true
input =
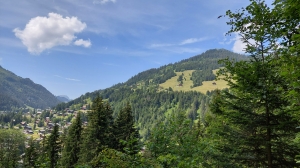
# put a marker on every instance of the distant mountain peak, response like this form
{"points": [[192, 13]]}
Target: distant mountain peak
{"points": [[63, 98]]}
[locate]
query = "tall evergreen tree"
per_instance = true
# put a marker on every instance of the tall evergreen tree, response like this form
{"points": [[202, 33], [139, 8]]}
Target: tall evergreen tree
{"points": [[259, 127], [53, 147], [95, 135], [31, 154], [125, 131], [70, 154]]}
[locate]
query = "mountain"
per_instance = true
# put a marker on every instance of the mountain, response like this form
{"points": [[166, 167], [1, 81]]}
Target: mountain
{"points": [[17, 92], [63, 98], [152, 95]]}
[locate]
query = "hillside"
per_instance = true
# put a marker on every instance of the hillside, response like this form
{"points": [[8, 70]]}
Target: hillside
{"points": [[151, 95], [21, 92]]}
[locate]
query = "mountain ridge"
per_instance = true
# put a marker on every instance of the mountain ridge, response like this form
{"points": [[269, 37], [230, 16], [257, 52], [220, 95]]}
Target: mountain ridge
{"points": [[150, 102], [16, 91]]}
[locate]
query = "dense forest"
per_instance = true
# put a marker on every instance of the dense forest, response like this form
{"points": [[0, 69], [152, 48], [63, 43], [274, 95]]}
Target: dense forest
{"points": [[19, 92], [253, 123], [149, 103]]}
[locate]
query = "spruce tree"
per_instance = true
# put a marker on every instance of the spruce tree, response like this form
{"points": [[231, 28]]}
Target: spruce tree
{"points": [[257, 122], [31, 154], [95, 135], [53, 147], [126, 135], [70, 154]]}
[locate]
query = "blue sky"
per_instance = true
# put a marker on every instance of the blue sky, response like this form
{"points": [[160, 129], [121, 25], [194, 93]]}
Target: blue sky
{"points": [[73, 46]]}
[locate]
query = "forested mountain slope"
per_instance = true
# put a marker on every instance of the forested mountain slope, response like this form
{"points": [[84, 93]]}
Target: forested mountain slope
{"points": [[19, 92], [150, 102]]}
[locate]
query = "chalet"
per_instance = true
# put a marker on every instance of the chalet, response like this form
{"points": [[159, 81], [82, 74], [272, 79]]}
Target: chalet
{"points": [[29, 132], [50, 125], [23, 124], [42, 131], [70, 111], [27, 127]]}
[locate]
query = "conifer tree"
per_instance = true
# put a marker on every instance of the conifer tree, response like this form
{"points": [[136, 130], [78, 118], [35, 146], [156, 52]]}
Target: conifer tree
{"points": [[70, 154], [53, 147], [95, 135], [125, 132], [31, 154], [259, 125]]}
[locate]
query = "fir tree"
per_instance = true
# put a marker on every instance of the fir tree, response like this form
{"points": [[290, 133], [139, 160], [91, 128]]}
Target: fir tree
{"points": [[31, 154], [95, 135], [125, 132], [259, 126], [53, 147], [70, 154]]}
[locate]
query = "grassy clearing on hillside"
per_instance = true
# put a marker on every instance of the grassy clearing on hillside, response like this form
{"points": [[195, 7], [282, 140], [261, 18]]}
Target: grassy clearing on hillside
{"points": [[187, 83]]}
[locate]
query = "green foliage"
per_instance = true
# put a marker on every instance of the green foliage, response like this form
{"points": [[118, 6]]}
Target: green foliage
{"points": [[53, 147], [31, 154], [96, 136], [199, 76], [71, 150], [259, 125], [175, 143], [11, 147], [113, 158], [125, 131]]}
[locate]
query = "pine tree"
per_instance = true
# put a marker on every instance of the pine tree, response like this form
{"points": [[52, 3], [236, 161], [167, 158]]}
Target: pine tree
{"points": [[70, 154]]}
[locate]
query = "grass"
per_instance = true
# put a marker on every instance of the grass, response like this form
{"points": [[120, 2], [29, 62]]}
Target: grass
{"points": [[187, 83]]}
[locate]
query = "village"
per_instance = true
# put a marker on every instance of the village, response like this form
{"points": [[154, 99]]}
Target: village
{"points": [[38, 123]]}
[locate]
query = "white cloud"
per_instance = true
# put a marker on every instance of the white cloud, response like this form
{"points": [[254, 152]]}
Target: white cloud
{"points": [[191, 40], [161, 45], [42, 33], [103, 1], [84, 43], [239, 46], [77, 80], [184, 42], [227, 41]]}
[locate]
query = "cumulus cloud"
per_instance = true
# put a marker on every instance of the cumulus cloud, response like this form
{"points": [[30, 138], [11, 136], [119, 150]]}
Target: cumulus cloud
{"points": [[103, 1], [42, 33], [239, 46], [84, 43]]}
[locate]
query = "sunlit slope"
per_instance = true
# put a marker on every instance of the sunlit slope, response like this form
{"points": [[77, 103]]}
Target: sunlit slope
{"points": [[187, 83]]}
